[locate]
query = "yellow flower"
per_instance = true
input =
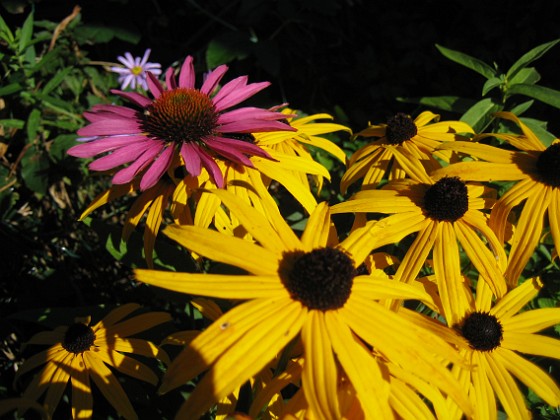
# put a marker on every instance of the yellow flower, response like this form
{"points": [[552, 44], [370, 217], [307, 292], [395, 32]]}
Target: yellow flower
{"points": [[497, 332], [535, 167], [79, 353], [444, 214], [420, 138], [306, 288]]}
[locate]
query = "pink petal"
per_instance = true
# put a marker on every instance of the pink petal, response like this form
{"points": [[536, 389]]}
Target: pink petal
{"points": [[229, 153], [109, 127], [255, 126], [213, 79], [170, 79], [190, 155], [127, 174], [249, 113], [229, 87], [138, 99], [237, 146], [115, 109], [104, 145], [118, 157], [238, 95], [211, 166], [187, 76], [156, 170], [154, 85]]}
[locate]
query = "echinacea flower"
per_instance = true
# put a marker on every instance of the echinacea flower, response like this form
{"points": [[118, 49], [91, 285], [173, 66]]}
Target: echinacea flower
{"points": [[134, 72], [80, 353], [420, 137], [195, 124], [535, 168], [443, 214], [306, 288], [498, 332]]}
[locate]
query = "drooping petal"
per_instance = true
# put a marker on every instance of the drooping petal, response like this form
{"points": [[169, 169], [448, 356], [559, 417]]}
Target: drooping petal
{"points": [[127, 365], [154, 85], [157, 169], [133, 97], [111, 127], [127, 174], [106, 144]]}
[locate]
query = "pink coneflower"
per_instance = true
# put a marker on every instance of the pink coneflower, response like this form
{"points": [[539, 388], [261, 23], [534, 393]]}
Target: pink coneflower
{"points": [[134, 71], [179, 120]]}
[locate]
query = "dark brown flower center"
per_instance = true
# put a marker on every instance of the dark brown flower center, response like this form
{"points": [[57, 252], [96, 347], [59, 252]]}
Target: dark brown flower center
{"points": [[78, 338], [548, 165], [321, 279], [180, 115], [483, 331], [446, 200], [400, 128]]}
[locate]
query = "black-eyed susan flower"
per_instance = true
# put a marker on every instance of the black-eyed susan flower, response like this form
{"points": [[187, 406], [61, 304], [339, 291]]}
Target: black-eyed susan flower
{"points": [[82, 354], [444, 214], [536, 168], [306, 288], [420, 137], [498, 332]]}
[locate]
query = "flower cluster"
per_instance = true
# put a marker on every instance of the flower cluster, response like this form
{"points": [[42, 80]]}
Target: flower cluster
{"points": [[418, 310]]}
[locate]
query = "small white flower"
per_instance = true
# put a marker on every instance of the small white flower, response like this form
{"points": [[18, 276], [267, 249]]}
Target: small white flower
{"points": [[133, 73]]}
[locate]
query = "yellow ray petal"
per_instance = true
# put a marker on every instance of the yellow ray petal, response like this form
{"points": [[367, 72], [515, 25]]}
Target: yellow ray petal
{"points": [[109, 386], [127, 365], [319, 376], [376, 234], [554, 217], [383, 288], [447, 268], [408, 403], [298, 164], [527, 233], [484, 296], [224, 248], [481, 391], [325, 144], [137, 324], [233, 367], [530, 374], [478, 222], [318, 228], [288, 180], [137, 210], [481, 257], [532, 344], [153, 222], [134, 345], [215, 285], [209, 345], [255, 223], [531, 141], [501, 210], [180, 338], [55, 352], [113, 193], [481, 151], [532, 321], [117, 314], [206, 208], [424, 118], [58, 382], [46, 338], [505, 387], [82, 400], [360, 367], [411, 166], [516, 299], [481, 172]]}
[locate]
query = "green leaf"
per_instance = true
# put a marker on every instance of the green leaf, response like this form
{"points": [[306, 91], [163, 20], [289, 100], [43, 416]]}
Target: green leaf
{"points": [[5, 32], [541, 93], [34, 170], [528, 75], [33, 122], [470, 62], [12, 123], [522, 107], [60, 145], [56, 80], [94, 33], [491, 84], [480, 114], [445, 103], [26, 33], [529, 57], [9, 89], [226, 48]]}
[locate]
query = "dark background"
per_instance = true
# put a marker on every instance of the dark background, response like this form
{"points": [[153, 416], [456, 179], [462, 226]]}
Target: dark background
{"points": [[351, 57]]}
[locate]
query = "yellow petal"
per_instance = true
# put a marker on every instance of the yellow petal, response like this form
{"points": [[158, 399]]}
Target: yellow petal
{"points": [[411, 166], [126, 365], [319, 377], [383, 288], [137, 210], [516, 299], [530, 141], [109, 386], [360, 367], [425, 118], [505, 387], [532, 321], [318, 228], [532, 344], [215, 285], [530, 374], [58, 382], [153, 222], [113, 193], [554, 217], [226, 249], [481, 151], [408, 403], [117, 314], [82, 400], [482, 393], [233, 367], [527, 233]]}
